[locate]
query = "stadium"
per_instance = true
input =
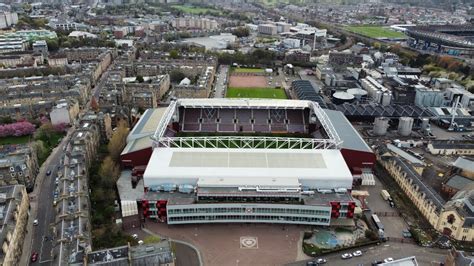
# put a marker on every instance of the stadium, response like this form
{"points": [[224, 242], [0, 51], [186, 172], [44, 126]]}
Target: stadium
{"points": [[452, 39], [244, 161]]}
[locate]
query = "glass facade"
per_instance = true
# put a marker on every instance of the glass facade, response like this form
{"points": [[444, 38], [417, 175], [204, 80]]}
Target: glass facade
{"points": [[256, 213]]}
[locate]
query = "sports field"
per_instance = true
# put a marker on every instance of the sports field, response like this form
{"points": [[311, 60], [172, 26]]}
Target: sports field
{"points": [[248, 70], [194, 9], [375, 31], [267, 93]]}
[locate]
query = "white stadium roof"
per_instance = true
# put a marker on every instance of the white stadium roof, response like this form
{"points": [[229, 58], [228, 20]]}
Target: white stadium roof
{"points": [[325, 169]]}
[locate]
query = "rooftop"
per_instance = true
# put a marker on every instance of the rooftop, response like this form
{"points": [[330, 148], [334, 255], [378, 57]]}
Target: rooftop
{"points": [[228, 167], [464, 164], [147, 124], [348, 134]]}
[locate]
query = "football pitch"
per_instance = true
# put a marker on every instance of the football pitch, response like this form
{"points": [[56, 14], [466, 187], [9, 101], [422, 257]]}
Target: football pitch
{"points": [[267, 93], [375, 31]]}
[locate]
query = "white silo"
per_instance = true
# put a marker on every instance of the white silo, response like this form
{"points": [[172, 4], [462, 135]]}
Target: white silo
{"points": [[380, 126], [386, 98], [405, 126], [377, 96], [425, 126]]}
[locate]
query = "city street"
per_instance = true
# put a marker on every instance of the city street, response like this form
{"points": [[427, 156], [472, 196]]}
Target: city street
{"points": [[42, 208], [221, 82]]}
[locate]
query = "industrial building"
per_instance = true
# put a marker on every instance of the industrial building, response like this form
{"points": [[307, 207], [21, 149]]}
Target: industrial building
{"points": [[225, 160]]}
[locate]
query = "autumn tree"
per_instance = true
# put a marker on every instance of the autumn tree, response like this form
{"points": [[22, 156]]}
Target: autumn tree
{"points": [[108, 172], [118, 140]]}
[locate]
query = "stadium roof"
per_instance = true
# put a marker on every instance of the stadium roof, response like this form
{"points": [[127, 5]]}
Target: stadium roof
{"points": [[243, 103], [240, 167], [147, 124], [348, 134]]}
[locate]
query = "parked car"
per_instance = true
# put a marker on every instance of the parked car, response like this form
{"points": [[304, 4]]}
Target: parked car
{"points": [[346, 256], [388, 260], [140, 242], [135, 236], [34, 256], [357, 253], [35, 222], [48, 173], [321, 261]]}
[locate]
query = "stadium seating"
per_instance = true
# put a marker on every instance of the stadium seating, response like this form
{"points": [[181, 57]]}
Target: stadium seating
{"points": [[243, 120]]}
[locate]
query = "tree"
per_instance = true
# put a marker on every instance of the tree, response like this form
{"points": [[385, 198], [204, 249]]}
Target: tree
{"points": [[174, 54], [53, 45], [241, 32], [140, 79], [118, 140], [176, 76], [17, 129], [108, 172]]}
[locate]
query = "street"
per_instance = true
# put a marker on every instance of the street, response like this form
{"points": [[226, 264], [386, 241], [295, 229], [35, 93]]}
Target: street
{"points": [[221, 82], [395, 250], [45, 212]]}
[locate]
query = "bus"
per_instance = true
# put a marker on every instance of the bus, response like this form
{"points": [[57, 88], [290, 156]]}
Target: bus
{"points": [[377, 222]]}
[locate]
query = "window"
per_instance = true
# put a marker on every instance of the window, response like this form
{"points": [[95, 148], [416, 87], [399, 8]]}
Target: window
{"points": [[451, 219], [465, 230]]}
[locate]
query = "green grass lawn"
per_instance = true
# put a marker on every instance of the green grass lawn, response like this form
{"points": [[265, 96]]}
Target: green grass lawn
{"points": [[248, 70], [14, 140], [375, 31], [194, 10], [269, 93]]}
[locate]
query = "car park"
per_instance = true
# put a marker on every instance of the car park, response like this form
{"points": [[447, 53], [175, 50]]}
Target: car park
{"points": [[346, 256], [357, 253]]}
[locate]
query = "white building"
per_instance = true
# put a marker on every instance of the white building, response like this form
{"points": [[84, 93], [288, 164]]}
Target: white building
{"points": [[267, 29], [8, 19]]}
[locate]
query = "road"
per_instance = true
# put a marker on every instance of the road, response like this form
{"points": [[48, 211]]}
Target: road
{"points": [[395, 250], [221, 82], [43, 199]]}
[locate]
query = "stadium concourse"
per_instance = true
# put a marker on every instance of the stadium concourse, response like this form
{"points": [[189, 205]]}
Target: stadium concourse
{"points": [[242, 161]]}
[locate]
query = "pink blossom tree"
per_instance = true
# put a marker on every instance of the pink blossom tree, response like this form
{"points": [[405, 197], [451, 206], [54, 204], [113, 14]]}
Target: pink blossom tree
{"points": [[17, 129]]}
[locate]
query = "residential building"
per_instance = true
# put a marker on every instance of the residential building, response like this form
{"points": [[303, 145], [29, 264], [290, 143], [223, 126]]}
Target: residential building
{"points": [[73, 220], [194, 23], [65, 112], [201, 89], [344, 59], [297, 56], [159, 253], [41, 47], [283, 27], [18, 165], [267, 29], [8, 19], [14, 212]]}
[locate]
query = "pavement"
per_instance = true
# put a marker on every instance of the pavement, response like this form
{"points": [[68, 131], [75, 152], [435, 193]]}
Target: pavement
{"points": [[221, 82], [35, 240], [395, 250]]}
